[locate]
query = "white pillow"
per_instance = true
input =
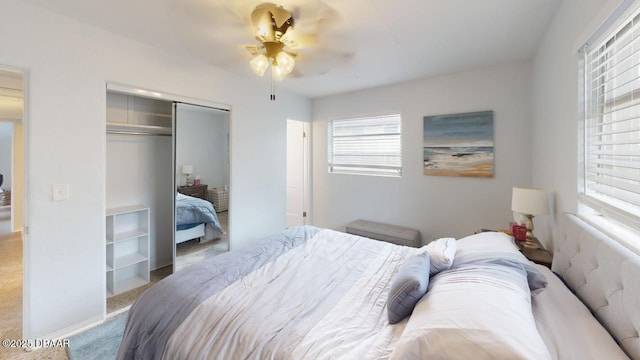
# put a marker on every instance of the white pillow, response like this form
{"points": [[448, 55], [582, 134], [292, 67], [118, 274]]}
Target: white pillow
{"points": [[477, 311], [442, 253], [488, 242], [498, 248]]}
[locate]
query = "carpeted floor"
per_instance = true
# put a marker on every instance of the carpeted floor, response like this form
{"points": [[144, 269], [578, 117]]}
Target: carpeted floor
{"points": [[191, 252], [11, 299], [98, 343]]}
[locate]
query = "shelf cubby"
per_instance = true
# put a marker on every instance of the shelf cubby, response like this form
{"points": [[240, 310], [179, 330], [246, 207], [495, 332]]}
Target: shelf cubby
{"points": [[127, 247]]}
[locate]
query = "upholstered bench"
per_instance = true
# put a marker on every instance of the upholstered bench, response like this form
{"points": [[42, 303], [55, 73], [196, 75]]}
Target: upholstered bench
{"points": [[390, 233]]}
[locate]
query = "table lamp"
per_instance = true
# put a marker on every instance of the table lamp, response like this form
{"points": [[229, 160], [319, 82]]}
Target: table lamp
{"points": [[187, 170], [529, 202]]}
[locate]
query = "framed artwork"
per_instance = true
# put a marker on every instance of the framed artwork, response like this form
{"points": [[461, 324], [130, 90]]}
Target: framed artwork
{"points": [[459, 144]]}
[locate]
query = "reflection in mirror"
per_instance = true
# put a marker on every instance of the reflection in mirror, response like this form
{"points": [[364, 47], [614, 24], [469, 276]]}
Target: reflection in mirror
{"points": [[202, 179]]}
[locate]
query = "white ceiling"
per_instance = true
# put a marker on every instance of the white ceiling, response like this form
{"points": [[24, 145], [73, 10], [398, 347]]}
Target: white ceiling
{"points": [[360, 43]]}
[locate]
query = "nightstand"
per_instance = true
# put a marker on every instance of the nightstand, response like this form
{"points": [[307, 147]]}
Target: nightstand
{"points": [[198, 191], [539, 256]]}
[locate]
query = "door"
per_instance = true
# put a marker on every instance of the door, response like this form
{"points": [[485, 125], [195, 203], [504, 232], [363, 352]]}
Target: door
{"points": [[202, 177], [297, 173]]}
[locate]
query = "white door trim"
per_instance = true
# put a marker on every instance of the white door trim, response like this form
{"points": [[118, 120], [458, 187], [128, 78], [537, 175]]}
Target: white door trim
{"points": [[138, 91], [306, 128], [26, 251]]}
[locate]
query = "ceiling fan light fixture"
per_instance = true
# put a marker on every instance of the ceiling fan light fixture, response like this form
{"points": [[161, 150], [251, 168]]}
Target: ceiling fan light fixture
{"points": [[259, 64], [285, 62], [277, 72], [272, 25]]}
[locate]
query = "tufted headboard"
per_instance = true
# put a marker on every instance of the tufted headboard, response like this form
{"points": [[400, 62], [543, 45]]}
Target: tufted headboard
{"points": [[604, 275]]}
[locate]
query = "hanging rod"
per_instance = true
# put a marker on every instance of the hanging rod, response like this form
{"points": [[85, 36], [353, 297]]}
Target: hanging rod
{"points": [[135, 129], [116, 132]]}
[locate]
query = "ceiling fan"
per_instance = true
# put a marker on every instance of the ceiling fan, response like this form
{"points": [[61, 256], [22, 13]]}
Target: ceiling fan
{"points": [[273, 25], [293, 40]]}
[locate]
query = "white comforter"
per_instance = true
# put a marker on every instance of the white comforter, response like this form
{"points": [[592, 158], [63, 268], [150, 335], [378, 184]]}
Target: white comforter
{"points": [[327, 299], [289, 308]]}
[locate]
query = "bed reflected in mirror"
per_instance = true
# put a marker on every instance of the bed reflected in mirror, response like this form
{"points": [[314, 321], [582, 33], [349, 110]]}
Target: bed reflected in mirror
{"points": [[202, 183]]}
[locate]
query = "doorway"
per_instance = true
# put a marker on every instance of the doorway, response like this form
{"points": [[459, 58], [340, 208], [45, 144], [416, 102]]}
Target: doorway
{"points": [[297, 173], [11, 202]]}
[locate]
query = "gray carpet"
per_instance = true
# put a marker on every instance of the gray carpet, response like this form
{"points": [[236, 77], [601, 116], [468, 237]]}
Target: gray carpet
{"points": [[192, 252], [99, 343]]}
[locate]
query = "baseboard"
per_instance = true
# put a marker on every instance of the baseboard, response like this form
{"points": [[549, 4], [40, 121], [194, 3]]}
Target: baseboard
{"points": [[161, 266], [69, 331], [117, 313]]}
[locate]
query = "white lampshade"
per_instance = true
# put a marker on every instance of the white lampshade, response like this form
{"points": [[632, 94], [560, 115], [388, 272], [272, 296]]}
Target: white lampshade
{"points": [[285, 61], [530, 201], [259, 64], [187, 169], [277, 73]]}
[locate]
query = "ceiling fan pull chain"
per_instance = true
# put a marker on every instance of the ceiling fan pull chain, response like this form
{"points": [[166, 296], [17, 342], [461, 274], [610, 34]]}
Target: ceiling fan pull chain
{"points": [[272, 97]]}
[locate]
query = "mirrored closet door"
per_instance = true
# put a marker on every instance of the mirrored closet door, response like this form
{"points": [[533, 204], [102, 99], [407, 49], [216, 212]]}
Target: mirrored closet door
{"points": [[202, 178]]}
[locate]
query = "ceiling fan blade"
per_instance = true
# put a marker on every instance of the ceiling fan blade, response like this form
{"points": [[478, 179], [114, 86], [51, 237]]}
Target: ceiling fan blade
{"points": [[299, 40], [321, 62], [314, 16], [254, 49]]}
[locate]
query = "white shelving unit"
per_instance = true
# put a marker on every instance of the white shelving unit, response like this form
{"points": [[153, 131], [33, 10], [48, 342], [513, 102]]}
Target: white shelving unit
{"points": [[127, 248]]}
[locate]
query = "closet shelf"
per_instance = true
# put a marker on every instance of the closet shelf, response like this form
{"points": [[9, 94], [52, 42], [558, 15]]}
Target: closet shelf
{"points": [[137, 129], [156, 114], [125, 209], [131, 234], [127, 260]]}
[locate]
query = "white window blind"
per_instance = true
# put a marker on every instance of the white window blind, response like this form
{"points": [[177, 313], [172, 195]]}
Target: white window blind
{"points": [[611, 178], [367, 146]]}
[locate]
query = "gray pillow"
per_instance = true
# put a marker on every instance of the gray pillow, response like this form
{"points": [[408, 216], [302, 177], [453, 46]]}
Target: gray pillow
{"points": [[408, 286]]}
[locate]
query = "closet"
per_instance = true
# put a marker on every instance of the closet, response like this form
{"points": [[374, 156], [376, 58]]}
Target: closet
{"points": [[139, 149], [151, 139]]}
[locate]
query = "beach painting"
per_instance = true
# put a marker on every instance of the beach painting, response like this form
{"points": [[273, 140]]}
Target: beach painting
{"points": [[459, 144]]}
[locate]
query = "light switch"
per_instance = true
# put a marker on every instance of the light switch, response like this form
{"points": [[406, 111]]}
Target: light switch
{"points": [[60, 192]]}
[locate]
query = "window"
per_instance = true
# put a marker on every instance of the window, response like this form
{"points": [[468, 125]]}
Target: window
{"points": [[366, 146], [610, 179]]}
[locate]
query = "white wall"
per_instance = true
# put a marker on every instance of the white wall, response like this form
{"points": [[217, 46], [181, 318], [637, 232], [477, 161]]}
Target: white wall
{"points": [[555, 105], [68, 64], [139, 171], [437, 206]]}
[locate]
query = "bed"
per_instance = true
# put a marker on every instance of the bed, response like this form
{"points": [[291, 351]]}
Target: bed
{"points": [[311, 293], [196, 219]]}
